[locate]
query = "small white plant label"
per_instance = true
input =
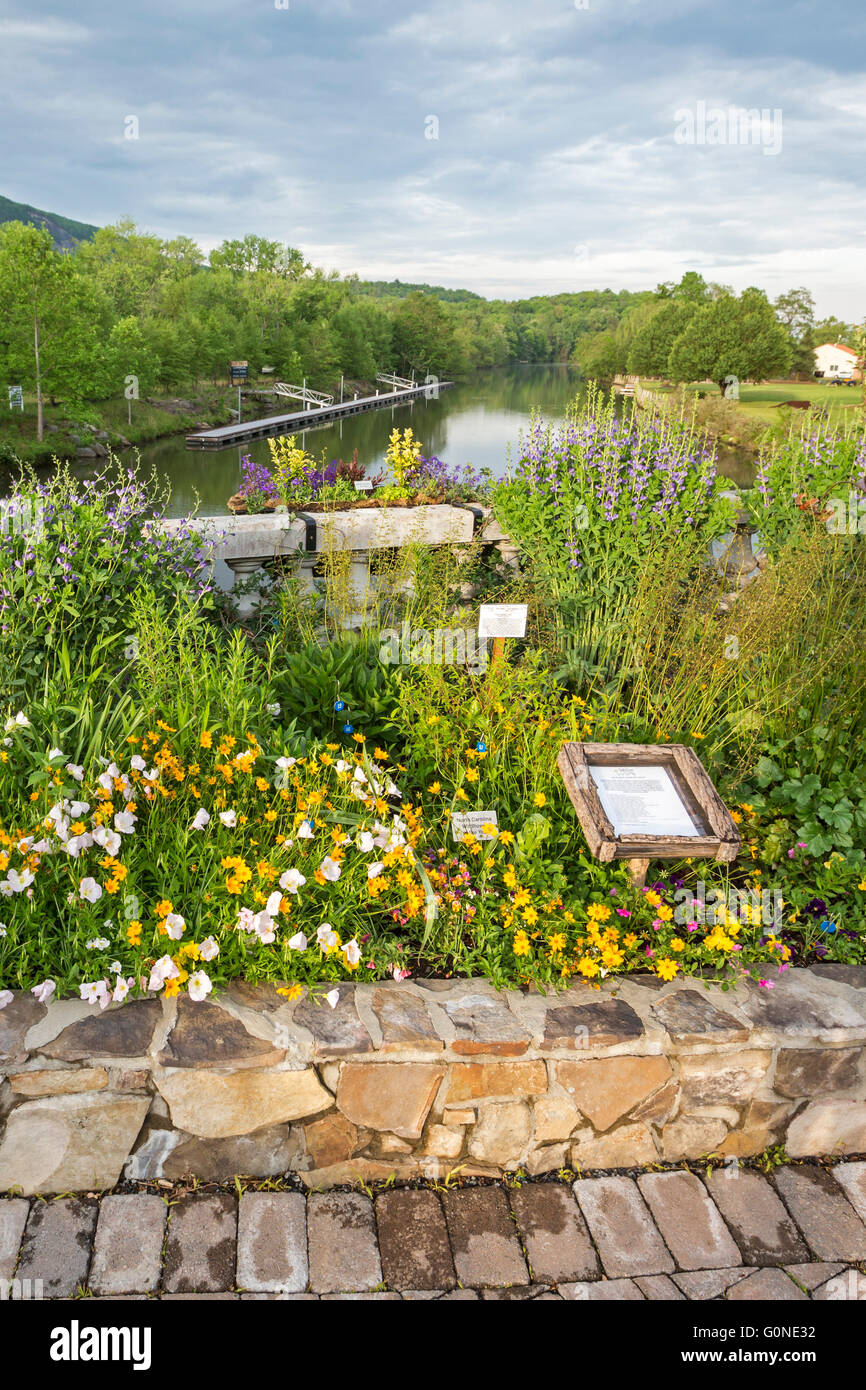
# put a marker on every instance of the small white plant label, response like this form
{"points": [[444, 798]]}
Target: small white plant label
{"points": [[364, 485], [502, 620], [481, 824]]}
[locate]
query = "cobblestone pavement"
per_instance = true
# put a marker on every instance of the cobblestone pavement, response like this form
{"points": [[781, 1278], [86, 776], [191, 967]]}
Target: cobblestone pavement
{"points": [[798, 1234]]}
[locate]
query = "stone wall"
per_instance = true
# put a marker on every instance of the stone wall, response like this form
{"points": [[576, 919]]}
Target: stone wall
{"points": [[425, 1077]]}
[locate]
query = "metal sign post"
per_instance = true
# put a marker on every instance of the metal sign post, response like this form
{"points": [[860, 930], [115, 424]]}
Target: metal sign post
{"points": [[238, 372], [16, 397]]}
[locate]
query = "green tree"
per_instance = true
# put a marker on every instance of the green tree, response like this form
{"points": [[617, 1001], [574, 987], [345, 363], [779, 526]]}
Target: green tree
{"points": [[651, 349], [51, 321], [253, 253], [732, 337], [126, 264]]}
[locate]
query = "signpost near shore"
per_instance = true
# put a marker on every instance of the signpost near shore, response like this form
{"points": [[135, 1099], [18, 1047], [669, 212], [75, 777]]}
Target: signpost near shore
{"points": [[639, 801], [238, 372]]}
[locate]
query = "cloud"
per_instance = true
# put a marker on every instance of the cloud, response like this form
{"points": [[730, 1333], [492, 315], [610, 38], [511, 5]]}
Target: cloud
{"points": [[555, 130]]}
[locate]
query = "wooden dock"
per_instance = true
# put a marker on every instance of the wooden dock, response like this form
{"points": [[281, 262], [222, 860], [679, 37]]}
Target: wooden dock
{"points": [[227, 435]]}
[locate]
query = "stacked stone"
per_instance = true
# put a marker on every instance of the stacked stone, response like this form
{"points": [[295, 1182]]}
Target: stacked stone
{"points": [[425, 1078]]}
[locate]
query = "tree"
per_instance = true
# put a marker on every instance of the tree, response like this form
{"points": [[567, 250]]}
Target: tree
{"points": [[651, 349], [424, 337], [257, 253], [796, 311], [51, 321], [731, 337], [127, 264]]}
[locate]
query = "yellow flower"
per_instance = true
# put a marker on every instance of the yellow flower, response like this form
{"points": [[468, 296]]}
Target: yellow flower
{"points": [[206, 739], [488, 829], [587, 966], [862, 885], [471, 774], [521, 944], [291, 992], [530, 915], [506, 837], [678, 944], [539, 799], [172, 987], [665, 913], [653, 899], [435, 787], [556, 943], [461, 795], [666, 968], [598, 912]]}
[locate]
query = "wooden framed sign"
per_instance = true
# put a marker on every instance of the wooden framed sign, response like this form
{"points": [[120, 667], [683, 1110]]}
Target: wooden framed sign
{"points": [[643, 801]]}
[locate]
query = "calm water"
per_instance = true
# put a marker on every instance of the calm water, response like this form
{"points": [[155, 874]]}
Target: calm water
{"points": [[478, 421]]}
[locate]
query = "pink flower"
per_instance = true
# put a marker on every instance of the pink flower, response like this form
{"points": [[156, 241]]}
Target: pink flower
{"points": [[766, 984], [623, 912], [693, 926], [790, 854]]}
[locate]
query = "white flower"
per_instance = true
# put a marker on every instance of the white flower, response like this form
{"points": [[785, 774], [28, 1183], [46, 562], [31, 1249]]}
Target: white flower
{"points": [[108, 839], [124, 821], [273, 709], [263, 926], [115, 967], [333, 997], [174, 925], [326, 937], [298, 942], [44, 991], [121, 989], [90, 890], [229, 818], [246, 920], [137, 762], [400, 974], [55, 753], [359, 775], [292, 880], [199, 986], [273, 904], [342, 766], [200, 820], [76, 843], [75, 771], [352, 952], [6, 997], [374, 870], [93, 992], [306, 831], [164, 969], [41, 847], [99, 943], [286, 763], [78, 808], [331, 870], [2, 928], [20, 720], [152, 775], [364, 842], [18, 881], [209, 950]]}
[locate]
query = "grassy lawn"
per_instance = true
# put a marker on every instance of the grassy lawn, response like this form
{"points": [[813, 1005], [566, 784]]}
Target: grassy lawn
{"points": [[18, 429], [763, 401]]}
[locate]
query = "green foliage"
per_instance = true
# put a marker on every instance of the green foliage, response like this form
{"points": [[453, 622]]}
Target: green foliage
{"points": [[731, 337], [317, 677]]}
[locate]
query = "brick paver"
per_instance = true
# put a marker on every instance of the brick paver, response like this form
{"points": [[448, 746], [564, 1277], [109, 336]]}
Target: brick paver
{"points": [[852, 1177], [623, 1229], [820, 1208], [756, 1218], [344, 1253], [127, 1249], [693, 1230], [200, 1249], [272, 1242], [413, 1241], [765, 1284], [56, 1245], [554, 1234], [13, 1219], [483, 1238], [665, 1236]]}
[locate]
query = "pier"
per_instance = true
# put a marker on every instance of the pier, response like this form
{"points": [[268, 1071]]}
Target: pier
{"points": [[226, 435]]}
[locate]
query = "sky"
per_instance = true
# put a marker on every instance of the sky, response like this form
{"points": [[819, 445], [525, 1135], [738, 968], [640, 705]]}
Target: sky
{"points": [[511, 147]]}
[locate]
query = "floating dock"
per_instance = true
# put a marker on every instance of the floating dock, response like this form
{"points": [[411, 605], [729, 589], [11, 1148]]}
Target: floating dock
{"points": [[227, 435]]}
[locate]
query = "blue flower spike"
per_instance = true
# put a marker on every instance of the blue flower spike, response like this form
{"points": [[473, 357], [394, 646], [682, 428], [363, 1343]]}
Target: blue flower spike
{"points": [[339, 706], [350, 729]]}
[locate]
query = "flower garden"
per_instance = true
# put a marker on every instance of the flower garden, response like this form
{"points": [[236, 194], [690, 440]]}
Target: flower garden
{"points": [[187, 799]]}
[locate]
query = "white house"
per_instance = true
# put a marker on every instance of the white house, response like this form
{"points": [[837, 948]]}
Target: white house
{"points": [[834, 360]]}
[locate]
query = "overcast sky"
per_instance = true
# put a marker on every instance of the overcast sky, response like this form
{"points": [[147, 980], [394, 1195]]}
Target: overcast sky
{"points": [[564, 158]]}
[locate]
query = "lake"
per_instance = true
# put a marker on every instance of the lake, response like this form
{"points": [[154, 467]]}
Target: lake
{"points": [[478, 421]]}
